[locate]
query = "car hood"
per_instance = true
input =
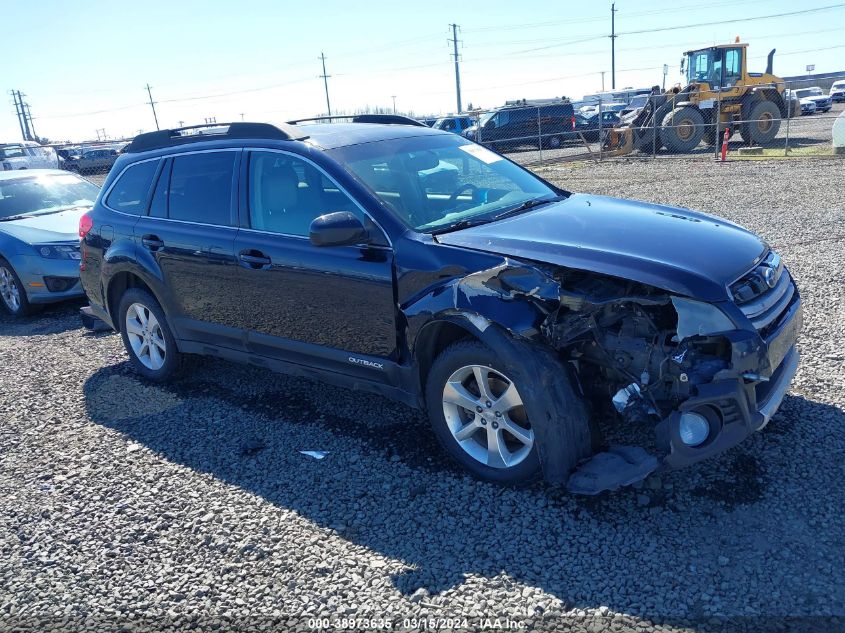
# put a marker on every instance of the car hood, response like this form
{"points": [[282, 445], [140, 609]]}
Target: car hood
{"points": [[41, 229], [678, 250]]}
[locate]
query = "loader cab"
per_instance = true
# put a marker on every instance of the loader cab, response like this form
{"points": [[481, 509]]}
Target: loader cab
{"points": [[718, 66]]}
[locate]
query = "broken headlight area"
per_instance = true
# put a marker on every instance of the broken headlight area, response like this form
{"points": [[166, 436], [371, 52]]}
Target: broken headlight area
{"points": [[676, 376]]}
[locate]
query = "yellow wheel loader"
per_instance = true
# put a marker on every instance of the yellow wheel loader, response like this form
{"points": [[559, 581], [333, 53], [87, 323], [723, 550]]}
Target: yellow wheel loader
{"points": [[720, 93]]}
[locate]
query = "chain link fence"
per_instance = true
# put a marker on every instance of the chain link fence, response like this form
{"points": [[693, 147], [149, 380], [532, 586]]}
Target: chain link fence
{"points": [[775, 121]]}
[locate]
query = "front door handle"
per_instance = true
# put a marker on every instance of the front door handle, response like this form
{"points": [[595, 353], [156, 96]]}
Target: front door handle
{"points": [[152, 242], [254, 259]]}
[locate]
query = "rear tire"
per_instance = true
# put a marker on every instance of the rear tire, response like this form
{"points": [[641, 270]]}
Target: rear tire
{"points": [[763, 125], [682, 129], [147, 337], [12, 292], [492, 441]]}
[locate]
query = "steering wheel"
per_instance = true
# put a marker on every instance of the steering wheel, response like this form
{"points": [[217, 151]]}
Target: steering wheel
{"points": [[465, 187]]}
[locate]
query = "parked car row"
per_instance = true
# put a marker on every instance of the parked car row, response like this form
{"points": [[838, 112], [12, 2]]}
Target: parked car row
{"points": [[544, 125], [812, 100], [412, 262]]}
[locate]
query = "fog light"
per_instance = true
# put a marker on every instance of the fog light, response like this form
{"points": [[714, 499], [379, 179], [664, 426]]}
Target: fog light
{"points": [[694, 428], [60, 284]]}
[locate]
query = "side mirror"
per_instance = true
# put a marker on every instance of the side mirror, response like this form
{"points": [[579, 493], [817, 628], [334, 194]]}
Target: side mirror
{"points": [[337, 229], [683, 63]]}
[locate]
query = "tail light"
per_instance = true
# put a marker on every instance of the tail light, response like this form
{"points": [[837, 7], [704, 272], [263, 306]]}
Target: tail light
{"points": [[85, 225], [573, 121]]}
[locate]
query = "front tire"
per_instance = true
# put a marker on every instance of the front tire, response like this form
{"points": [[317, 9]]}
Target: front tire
{"points": [[763, 124], [147, 337], [477, 414], [682, 129], [12, 292]]}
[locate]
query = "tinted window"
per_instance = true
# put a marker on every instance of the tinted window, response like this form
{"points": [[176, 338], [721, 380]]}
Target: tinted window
{"points": [[130, 191], [201, 188], [286, 194]]}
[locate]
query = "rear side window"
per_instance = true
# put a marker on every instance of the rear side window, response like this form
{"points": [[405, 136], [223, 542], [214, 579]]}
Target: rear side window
{"points": [[201, 188], [129, 194]]}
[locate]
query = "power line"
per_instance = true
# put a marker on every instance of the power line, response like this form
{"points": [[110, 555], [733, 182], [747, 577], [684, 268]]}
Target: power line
{"points": [[326, 84], [601, 18], [454, 41], [734, 20]]}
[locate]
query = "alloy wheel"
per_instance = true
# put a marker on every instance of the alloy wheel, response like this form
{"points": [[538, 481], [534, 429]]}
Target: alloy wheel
{"points": [[486, 416], [9, 290], [145, 336]]}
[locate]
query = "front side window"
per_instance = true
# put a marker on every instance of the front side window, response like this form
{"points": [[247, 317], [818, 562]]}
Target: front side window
{"points": [[286, 194], [129, 194], [12, 151], [434, 182], [44, 194], [201, 188], [733, 66]]}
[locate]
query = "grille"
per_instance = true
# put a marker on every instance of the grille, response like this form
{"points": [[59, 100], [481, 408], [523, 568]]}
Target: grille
{"points": [[761, 302]]}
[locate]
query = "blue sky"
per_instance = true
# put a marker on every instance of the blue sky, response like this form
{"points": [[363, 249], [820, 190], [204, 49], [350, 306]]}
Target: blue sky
{"points": [[84, 65]]}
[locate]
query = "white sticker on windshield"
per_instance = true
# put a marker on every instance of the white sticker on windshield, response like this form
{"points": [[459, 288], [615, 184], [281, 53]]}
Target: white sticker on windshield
{"points": [[481, 153]]}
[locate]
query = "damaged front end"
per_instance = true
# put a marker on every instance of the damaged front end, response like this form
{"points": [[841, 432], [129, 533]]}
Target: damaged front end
{"points": [[696, 376], [700, 374]]}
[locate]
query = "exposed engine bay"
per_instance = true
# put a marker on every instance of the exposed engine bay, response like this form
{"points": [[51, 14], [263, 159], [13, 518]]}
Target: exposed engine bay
{"points": [[683, 369]]}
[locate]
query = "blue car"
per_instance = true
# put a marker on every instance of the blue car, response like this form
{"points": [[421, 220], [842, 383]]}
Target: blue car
{"points": [[40, 211]]}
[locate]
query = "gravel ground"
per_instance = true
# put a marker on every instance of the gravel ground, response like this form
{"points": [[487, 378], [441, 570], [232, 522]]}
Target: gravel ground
{"points": [[127, 504]]}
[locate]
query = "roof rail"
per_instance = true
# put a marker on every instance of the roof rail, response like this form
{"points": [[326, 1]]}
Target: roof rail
{"points": [[385, 119], [177, 136]]}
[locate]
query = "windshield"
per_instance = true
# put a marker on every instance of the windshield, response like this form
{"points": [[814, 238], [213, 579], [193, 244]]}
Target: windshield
{"points": [[12, 151], [482, 121], [44, 194], [637, 102], [433, 182], [702, 66], [804, 92]]}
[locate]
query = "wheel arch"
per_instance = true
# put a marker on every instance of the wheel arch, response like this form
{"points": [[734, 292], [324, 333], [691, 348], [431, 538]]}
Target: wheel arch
{"points": [[117, 286], [437, 335]]}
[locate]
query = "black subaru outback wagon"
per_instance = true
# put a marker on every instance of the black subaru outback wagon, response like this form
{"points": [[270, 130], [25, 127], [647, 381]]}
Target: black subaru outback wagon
{"points": [[532, 324]]}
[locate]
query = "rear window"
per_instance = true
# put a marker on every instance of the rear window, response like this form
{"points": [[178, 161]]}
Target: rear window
{"points": [[129, 194], [201, 188]]}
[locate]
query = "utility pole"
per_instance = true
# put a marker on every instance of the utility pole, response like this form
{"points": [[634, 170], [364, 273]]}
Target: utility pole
{"points": [[181, 124], [242, 116], [394, 103], [21, 108], [602, 80], [19, 113], [153, 106], [454, 41], [28, 115], [326, 83], [103, 130], [613, 46]]}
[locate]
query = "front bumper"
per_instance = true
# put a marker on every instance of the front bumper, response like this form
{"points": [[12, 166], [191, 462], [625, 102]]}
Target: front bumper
{"points": [[737, 406], [32, 271]]}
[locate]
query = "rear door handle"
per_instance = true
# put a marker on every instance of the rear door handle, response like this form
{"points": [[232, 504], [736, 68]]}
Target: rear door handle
{"points": [[254, 259], [152, 242]]}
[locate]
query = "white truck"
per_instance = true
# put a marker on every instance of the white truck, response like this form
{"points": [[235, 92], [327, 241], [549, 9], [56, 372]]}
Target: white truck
{"points": [[27, 155]]}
